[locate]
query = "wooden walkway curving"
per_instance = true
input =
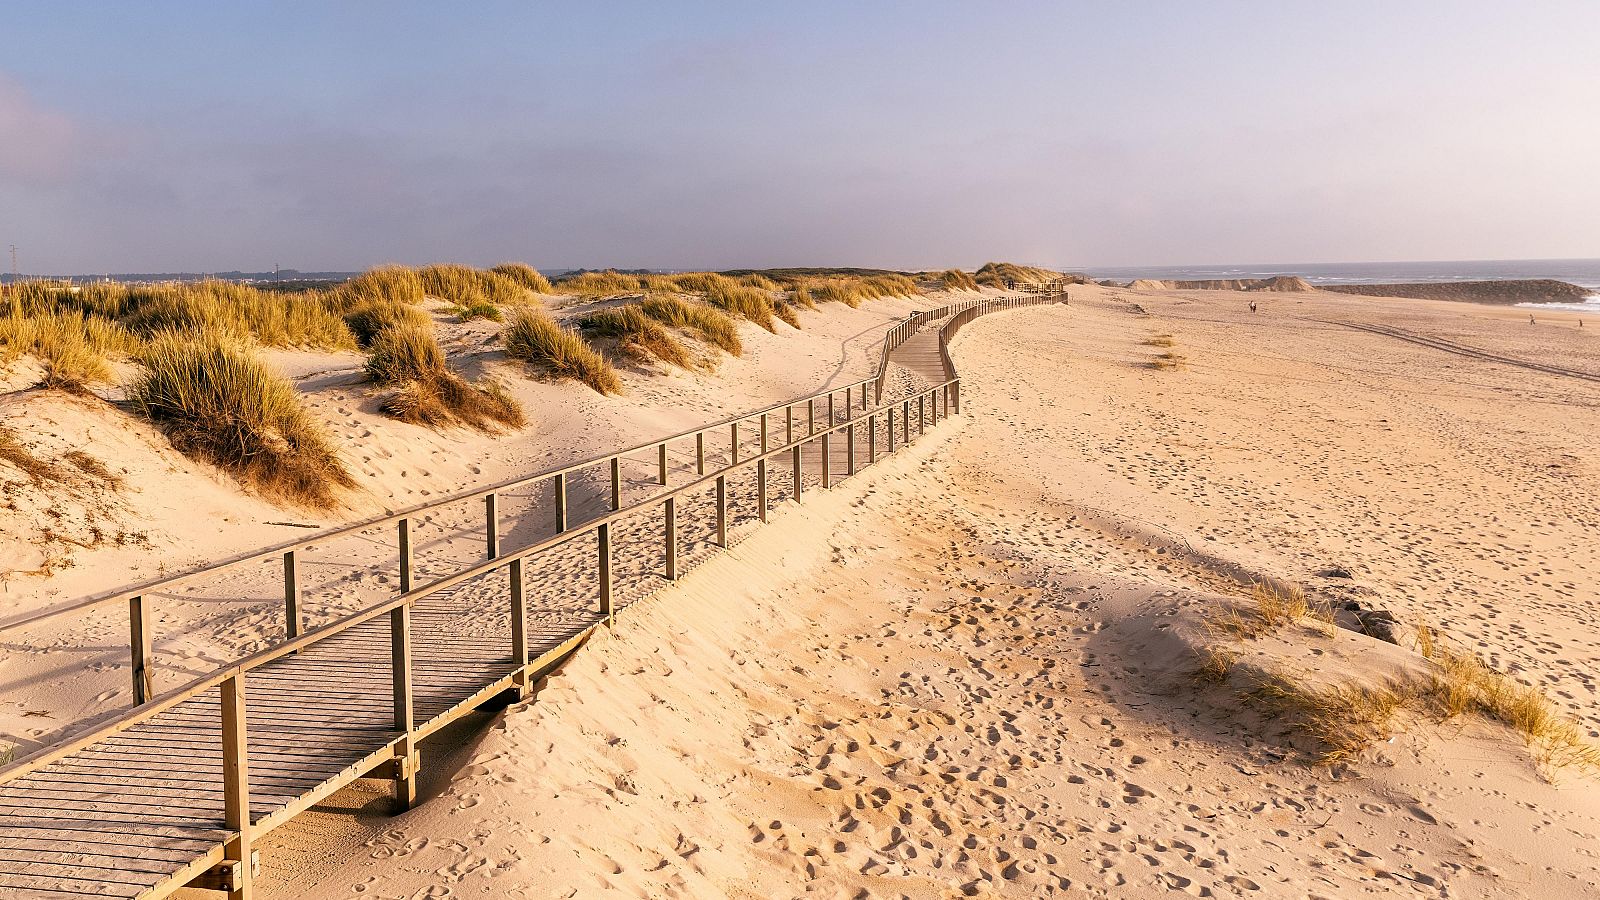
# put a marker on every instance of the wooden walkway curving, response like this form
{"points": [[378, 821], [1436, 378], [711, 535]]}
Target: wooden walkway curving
{"points": [[171, 794]]}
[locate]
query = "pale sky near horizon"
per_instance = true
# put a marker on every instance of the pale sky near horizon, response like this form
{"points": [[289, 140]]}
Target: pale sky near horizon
{"points": [[204, 137]]}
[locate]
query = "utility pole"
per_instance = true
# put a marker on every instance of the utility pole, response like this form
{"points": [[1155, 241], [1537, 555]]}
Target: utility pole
{"points": [[15, 275]]}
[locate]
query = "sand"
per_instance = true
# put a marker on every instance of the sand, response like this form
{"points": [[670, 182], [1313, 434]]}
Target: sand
{"points": [[971, 670]]}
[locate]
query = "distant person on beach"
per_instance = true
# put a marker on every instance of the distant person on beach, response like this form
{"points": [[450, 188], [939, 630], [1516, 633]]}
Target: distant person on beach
{"points": [[1252, 306]]}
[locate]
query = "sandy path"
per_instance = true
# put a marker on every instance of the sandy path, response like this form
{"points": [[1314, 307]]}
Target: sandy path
{"points": [[957, 675]]}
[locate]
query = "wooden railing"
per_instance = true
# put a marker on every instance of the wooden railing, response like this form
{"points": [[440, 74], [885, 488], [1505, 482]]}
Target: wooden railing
{"points": [[916, 412]]}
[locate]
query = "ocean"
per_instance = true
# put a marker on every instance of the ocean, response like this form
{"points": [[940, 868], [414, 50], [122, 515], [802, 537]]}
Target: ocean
{"points": [[1583, 272]]}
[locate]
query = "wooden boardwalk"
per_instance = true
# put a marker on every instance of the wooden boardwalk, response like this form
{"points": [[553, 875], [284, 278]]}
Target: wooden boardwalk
{"points": [[171, 794]]}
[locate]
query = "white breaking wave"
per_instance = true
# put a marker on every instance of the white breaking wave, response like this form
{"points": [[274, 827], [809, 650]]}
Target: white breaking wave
{"points": [[1590, 303]]}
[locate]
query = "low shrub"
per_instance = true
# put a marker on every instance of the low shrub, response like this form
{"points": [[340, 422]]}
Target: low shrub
{"points": [[536, 339], [221, 404]]}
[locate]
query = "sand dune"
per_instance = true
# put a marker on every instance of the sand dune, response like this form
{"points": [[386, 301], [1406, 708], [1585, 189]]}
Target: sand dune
{"points": [[972, 670]]}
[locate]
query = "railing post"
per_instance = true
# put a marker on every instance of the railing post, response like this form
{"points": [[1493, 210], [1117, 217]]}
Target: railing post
{"points": [[891, 429], [797, 482], [491, 516], [905, 421], [955, 391], [561, 502], [733, 443], [603, 548], [139, 645], [849, 402], [922, 414], [811, 413], [827, 473], [405, 720], [661, 463], [403, 529], [699, 452], [722, 510], [850, 449], [761, 471], [788, 424], [291, 596], [236, 788], [616, 483], [831, 417], [519, 629], [671, 538], [863, 396], [872, 438]]}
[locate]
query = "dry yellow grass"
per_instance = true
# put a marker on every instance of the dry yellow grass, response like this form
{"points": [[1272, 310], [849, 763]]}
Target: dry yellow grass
{"points": [[219, 403], [278, 320], [409, 360], [1343, 719], [1461, 684], [75, 350], [1006, 275], [389, 284], [713, 326], [371, 316], [785, 310], [527, 276], [1160, 340], [745, 302], [598, 284], [1274, 608], [535, 338], [638, 335], [957, 280], [1169, 361]]}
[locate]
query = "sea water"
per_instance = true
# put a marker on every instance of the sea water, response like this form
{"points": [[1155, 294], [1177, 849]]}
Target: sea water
{"points": [[1582, 272]]}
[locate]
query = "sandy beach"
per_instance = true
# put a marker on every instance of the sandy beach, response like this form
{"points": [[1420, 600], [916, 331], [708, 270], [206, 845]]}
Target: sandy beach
{"points": [[973, 670]]}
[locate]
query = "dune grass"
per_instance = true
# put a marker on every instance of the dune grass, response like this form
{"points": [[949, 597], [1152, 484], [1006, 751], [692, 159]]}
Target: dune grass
{"points": [[957, 280], [390, 284], [747, 303], [76, 350], [527, 276], [598, 284], [703, 282], [1159, 340], [1169, 361], [536, 339], [639, 336], [1342, 719], [711, 324], [277, 320], [786, 311], [1006, 275], [219, 403], [372, 316], [800, 296], [472, 293], [1274, 609], [760, 282], [408, 360]]}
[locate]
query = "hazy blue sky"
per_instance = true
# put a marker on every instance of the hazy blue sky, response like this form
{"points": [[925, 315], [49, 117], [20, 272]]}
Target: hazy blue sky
{"points": [[207, 136]]}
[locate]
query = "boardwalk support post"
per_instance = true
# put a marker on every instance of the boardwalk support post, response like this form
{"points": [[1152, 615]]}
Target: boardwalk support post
{"points": [[827, 461], [891, 429], [761, 471], [872, 438], [616, 483], [603, 549], [405, 756], [671, 538], [403, 529], [236, 789], [699, 452], [291, 596], [850, 449], [561, 502], [798, 488], [733, 443], [139, 641], [519, 630], [661, 463], [491, 516], [722, 511]]}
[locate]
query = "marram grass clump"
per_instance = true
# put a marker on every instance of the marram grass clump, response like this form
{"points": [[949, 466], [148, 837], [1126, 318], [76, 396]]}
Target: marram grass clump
{"points": [[389, 284], [523, 274], [711, 324], [598, 284], [277, 320], [638, 335], [424, 391], [745, 302], [957, 280], [536, 339], [221, 404]]}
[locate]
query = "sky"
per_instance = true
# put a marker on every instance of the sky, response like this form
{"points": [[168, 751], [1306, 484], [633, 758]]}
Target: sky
{"points": [[165, 136]]}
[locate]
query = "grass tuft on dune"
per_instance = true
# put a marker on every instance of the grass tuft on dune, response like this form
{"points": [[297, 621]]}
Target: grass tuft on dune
{"points": [[523, 274], [748, 303], [713, 326], [409, 360], [221, 404], [536, 339], [638, 335]]}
